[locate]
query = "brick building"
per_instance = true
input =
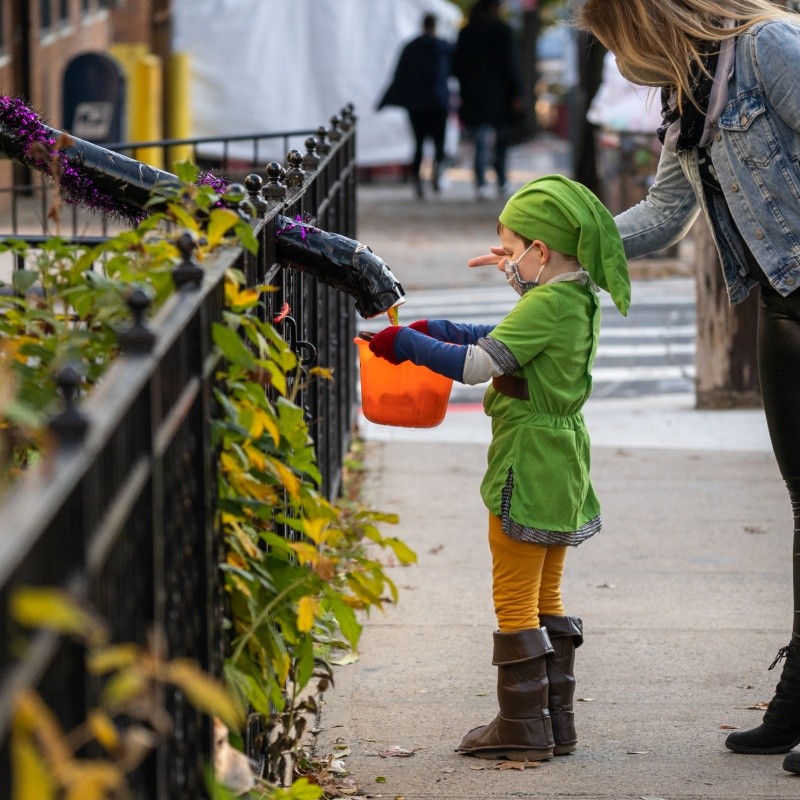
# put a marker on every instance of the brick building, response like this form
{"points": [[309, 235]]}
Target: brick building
{"points": [[38, 38]]}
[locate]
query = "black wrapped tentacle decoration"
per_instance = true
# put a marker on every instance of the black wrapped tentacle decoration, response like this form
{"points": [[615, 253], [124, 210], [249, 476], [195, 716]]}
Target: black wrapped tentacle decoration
{"points": [[360, 272], [114, 184]]}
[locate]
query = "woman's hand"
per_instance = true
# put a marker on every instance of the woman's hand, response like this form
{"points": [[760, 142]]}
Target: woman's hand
{"points": [[491, 259]]}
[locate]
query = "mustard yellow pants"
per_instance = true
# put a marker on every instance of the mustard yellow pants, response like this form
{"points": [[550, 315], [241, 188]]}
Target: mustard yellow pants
{"points": [[526, 579]]}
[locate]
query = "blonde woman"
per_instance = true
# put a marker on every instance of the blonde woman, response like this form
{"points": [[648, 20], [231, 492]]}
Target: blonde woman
{"points": [[729, 75]]}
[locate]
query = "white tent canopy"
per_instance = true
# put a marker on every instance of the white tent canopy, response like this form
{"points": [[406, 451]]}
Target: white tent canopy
{"points": [[280, 65]]}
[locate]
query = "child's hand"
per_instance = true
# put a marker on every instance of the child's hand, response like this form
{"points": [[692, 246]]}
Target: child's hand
{"points": [[489, 260], [382, 344]]}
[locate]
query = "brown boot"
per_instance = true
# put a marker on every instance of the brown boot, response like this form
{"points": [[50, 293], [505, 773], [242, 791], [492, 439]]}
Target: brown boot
{"points": [[566, 633], [521, 731]]}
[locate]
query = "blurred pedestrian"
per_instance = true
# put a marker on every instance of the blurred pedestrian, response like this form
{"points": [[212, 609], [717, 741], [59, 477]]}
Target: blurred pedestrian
{"points": [[485, 64], [728, 75], [420, 86], [557, 244]]}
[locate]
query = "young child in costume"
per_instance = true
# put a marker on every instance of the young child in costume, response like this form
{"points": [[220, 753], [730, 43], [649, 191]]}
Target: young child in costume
{"points": [[558, 243]]}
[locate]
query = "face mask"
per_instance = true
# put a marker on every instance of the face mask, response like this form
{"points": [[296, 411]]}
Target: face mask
{"points": [[511, 268], [641, 76]]}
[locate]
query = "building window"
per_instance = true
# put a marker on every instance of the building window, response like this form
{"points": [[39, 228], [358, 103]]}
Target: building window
{"points": [[63, 12], [45, 15], [86, 6]]}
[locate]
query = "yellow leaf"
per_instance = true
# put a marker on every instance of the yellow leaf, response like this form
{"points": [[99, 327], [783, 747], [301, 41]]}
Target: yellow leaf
{"points": [[235, 560], [102, 661], [307, 553], [204, 692], [229, 463], [270, 426], [247, 544], [256, 489], [31, 715], [122, 688], [288, 479], [55, 610], [314, 528], [255, 455], [322, 372], [92, 780], [31, 779], [221, 220], [104, 731], [307, 610]]}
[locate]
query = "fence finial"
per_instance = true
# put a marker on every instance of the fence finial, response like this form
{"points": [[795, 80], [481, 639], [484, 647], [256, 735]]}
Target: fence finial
{"points": [[275, 188], [323, 148], [334, 134], [254, 184], [187, 275], [295, 174], [70, 425], [311, 159], [137, 338]]}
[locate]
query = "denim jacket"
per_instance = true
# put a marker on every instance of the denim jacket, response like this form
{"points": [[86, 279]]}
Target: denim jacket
{"points": [[756, 153]]}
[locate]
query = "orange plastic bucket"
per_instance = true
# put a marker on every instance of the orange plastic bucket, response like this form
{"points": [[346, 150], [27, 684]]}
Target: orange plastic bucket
{"points": [[404, 394]]}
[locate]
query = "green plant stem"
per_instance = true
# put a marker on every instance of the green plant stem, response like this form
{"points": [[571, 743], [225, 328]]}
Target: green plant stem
{"points": [[262, 616]]}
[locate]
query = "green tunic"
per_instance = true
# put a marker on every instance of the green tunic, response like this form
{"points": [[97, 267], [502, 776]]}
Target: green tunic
{"points": [[538, 474]]}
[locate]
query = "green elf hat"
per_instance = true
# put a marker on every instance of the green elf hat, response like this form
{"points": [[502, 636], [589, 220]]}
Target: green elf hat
{"points": [[569, 218]]}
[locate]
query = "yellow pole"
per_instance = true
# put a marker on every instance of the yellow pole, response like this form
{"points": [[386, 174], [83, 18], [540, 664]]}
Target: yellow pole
{"points": [[179, 106], [146, 116]]}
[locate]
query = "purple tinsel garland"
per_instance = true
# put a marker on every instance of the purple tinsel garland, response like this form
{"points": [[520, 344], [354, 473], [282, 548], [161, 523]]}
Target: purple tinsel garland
{"points": [[23, 130]]}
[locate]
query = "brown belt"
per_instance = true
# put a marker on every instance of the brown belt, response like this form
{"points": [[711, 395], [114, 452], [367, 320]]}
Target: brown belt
{"points": [[512, 386]]}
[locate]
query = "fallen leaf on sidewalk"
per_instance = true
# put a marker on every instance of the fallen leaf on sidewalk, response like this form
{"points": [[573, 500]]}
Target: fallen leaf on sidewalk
{"points": [[605, 586], [437, 549], [758, 707], [650, 797], [586, 699], [729, 727], [520, 765], [637, 752], [395, 751]]}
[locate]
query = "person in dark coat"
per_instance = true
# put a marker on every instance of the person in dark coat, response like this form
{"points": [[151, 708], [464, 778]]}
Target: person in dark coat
{"points": [[491, 88], [420, 86]]}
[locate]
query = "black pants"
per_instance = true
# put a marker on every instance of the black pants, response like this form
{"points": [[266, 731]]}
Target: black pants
{"points": [[428, 125], [779, 373]]}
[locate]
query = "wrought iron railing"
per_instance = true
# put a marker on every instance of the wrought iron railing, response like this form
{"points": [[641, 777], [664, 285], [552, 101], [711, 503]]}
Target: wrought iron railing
{"points": [[125, 516]]}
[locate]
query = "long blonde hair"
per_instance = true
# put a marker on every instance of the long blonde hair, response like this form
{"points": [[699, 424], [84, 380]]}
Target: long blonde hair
{"points": [[670, 37]]}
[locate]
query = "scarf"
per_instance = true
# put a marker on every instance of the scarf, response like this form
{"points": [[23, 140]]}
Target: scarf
{"points": [[695, 127]]}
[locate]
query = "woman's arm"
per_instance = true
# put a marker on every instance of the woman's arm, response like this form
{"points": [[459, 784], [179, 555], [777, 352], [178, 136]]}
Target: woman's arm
{"points": [[664, 216], [776, 53]]}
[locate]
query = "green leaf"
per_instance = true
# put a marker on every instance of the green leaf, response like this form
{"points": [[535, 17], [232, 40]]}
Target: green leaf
{"points": [[405, 555], [23, 279], [187, 172], [231, 346], [346, 617], [247, 238]]}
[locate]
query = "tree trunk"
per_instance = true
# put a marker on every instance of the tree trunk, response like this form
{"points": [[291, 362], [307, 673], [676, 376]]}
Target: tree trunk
{"points": [[529, 64], [726, 367], [590, 54]]}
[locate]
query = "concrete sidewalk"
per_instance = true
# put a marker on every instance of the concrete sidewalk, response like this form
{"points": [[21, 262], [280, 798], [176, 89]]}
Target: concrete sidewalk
{"points": [[685, 594], [685, 597]]}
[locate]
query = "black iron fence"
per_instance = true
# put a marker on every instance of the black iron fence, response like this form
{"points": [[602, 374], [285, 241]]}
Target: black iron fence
{"points": [[125, 516]]}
